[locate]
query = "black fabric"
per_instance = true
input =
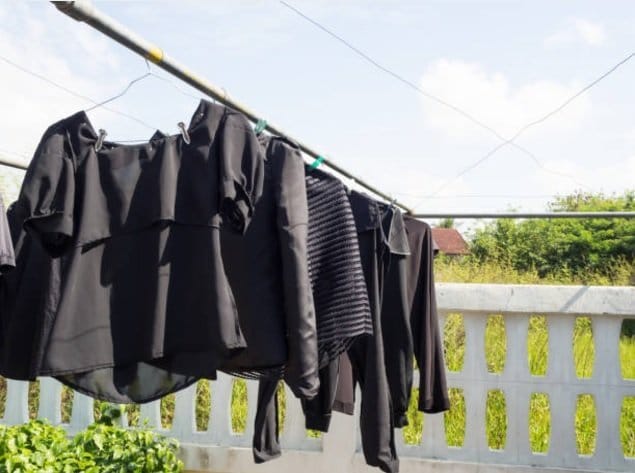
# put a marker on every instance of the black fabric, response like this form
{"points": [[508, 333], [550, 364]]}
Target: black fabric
{"points": [[339, 292], [7, 254], [335, 268], [381, 242], [119, 289], [268, 272], [397, 337], [266, 445], [424, 319], [317, 411]]}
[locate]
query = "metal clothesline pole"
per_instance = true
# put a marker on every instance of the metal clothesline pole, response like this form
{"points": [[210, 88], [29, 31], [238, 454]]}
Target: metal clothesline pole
{"points": [[476, 215], [85, 11], [20, 165]]}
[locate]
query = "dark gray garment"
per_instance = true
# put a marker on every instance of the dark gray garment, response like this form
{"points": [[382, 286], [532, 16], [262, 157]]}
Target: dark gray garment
{"points": [[382, 243], [268, 272], [7, 255], [424, 319], [335, 268], [397, 336], [122, 249], [340, 297]]}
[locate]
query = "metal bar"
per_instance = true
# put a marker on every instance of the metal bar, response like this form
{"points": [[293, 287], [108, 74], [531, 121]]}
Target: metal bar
{"points": [[85, 11], [21, 165], [528, 215], [14, 163]]}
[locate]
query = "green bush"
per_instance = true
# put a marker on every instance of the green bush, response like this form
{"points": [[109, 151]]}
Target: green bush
{"points": [[564, 248], [38, 447], [33, 447]]}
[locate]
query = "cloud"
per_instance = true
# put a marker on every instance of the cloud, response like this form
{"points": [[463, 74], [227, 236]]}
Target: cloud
{"points": [[576, 31], [614, 177], [68, 53], [491, 98]]}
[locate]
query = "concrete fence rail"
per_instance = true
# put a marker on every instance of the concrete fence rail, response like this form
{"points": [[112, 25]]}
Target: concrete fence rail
{"points": [[219, 449]]}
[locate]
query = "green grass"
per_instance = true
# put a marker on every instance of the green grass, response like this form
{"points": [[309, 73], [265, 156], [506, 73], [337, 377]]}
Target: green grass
{"points": [[448, 269]]}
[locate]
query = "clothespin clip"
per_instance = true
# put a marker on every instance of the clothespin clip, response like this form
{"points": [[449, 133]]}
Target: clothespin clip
{"points": [[392, 202], [319, 160], [100, 139], [186, 135], [260, 126]]}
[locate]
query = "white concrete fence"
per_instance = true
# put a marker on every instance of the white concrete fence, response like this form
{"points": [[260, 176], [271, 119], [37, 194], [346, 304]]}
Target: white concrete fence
{"points": [[219, 449]]}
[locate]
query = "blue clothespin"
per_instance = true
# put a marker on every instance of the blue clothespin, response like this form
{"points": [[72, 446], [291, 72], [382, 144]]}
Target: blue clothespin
{"points": [[260, 126], [319, 160]]}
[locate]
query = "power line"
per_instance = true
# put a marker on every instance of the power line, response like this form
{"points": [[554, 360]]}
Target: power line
{"points": [[95, 102], [478, 196], [428, 95], [532, 124], [72, 92]]}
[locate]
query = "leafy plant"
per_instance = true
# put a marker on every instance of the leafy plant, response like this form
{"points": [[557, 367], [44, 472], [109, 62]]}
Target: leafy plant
{"points": [[110, 449], [33, 448], [38, 447], [563, 247]]}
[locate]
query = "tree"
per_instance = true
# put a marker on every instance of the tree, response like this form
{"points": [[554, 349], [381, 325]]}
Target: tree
{"points": [[446, 223], [553, 246]]}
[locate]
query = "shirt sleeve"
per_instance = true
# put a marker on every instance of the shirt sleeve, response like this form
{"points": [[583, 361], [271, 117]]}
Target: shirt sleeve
{"points": [[301, 371], [428, 348], [48, 193], [241, 171]]}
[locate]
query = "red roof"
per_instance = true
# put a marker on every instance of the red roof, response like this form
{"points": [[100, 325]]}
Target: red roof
{"points": [[449, 241]]}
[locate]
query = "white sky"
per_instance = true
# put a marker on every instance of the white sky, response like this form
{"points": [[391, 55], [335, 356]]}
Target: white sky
{"points": [[506, 63]]}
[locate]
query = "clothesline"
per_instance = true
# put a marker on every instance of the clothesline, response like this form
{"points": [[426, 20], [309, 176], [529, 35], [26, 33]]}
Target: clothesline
{"points": [[85, 11]]}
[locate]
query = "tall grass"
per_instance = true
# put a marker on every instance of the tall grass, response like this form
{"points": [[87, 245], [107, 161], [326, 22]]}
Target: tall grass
{"points": [[466, 270]]}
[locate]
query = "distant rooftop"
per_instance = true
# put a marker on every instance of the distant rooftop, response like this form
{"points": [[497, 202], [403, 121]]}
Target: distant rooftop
{"points": [[450, 241]]}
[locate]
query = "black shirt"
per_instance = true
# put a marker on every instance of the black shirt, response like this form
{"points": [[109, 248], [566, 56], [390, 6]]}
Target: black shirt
{"points": [[335, 267], [268, 273], [122, 249], [424, 319]]}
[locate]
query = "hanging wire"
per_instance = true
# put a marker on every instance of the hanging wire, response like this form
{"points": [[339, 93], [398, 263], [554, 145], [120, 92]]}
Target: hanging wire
{"points": [[73, 93], [97, 104], [478, 196], [122, 93], [531, 124], [430, 96]]}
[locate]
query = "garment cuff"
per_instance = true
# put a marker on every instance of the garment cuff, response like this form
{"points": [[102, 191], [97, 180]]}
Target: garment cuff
{"points": [[433, 406], [262, 457], [319, 422], [236, 207], [53, 229], [344, 407], [400, 419]]}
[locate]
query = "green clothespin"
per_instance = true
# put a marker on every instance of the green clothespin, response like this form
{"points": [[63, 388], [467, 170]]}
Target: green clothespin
{"points": [[319, 160], [260, 126]]}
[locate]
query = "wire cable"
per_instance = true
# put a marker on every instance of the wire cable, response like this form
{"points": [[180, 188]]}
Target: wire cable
{"points": [[73, 93], [532, 124], [428, 95], [478, 196]]}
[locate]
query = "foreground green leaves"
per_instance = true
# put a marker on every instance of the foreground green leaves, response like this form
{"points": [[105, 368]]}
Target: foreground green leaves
{"points": [[38, 447]]}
